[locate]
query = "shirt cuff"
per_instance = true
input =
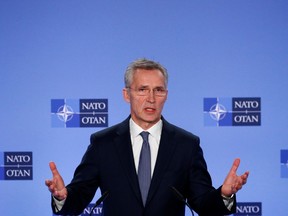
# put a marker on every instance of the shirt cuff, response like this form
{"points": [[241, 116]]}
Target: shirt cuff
{"points": [[228, 201], [58, 204]]}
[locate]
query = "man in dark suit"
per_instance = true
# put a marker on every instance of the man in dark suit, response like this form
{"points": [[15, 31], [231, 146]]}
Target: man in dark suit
{"points": [[114, 161]]}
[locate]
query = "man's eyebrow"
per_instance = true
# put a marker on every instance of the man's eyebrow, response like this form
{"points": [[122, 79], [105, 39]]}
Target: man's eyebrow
{"points": [[143, 86], [156, 87]]}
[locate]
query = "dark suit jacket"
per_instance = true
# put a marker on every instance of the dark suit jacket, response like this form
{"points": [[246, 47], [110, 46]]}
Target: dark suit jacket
{"points": [[109, 164]]}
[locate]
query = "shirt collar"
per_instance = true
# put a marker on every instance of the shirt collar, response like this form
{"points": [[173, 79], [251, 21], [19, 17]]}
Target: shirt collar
{"points": [[154, 131]]}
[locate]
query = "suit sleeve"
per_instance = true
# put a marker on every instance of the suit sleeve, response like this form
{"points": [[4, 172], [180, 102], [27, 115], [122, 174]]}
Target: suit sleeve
{"points": [[203, 197], [84, 184]]}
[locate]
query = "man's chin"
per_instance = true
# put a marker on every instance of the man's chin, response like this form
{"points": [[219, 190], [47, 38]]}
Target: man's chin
{"points": [[151, 120]]}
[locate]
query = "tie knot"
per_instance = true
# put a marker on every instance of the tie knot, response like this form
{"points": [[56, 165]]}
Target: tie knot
{"points": [[145, 135]]}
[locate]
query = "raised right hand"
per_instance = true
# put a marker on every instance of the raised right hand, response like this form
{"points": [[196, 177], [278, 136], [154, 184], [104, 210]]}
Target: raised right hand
{"points": [[56, 185]]}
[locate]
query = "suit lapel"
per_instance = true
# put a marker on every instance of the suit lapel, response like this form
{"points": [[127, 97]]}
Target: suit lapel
{"points": [[125, 153], [166, 149]]}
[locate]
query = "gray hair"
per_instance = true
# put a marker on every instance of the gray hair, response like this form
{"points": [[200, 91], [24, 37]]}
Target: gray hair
{"points": [[143, 64]]}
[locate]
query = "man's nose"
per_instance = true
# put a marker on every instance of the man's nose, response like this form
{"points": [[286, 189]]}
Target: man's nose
{"points": [[151, 96]]}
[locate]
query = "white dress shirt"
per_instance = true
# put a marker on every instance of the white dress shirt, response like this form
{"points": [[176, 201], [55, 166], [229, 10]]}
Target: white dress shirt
{"points": [[137, 141]]}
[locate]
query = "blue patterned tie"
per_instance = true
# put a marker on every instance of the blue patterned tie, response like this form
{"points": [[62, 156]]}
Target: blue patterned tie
{"points": [[144, 168]]}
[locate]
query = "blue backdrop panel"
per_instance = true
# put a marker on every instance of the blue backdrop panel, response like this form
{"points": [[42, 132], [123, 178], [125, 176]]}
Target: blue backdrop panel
{"points": [[73, 50]]}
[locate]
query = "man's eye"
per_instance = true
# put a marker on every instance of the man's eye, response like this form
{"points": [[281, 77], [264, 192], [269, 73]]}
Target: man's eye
{"points": [[159, 90], [142, 90]]}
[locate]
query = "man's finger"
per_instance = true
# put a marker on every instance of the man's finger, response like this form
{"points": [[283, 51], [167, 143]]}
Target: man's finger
{"points": [[235, 165], [53, 168], [48, 183], [245, 176]]}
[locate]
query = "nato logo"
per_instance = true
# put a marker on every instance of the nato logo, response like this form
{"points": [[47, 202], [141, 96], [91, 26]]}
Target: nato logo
{"points": [[71, 113], [284, 163], [248, 209], [16, 166], [232, 111], [89, 210]]}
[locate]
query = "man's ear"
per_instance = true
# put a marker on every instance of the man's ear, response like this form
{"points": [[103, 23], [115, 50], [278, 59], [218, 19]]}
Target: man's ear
{"points": [[126, 95]]}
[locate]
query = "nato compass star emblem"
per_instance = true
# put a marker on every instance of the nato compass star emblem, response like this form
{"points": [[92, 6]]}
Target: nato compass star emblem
{"points": [[217, 112], [65, 113]]}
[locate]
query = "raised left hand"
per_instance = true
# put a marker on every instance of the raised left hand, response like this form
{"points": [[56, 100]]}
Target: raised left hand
{"points": [[233, 183]]}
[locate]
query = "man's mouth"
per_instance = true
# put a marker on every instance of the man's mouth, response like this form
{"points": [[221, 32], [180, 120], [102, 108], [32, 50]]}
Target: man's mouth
{"points": [[149, 109]]}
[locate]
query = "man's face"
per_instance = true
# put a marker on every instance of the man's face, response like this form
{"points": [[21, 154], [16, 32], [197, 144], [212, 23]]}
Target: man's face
{"points": [[146, 109]]}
